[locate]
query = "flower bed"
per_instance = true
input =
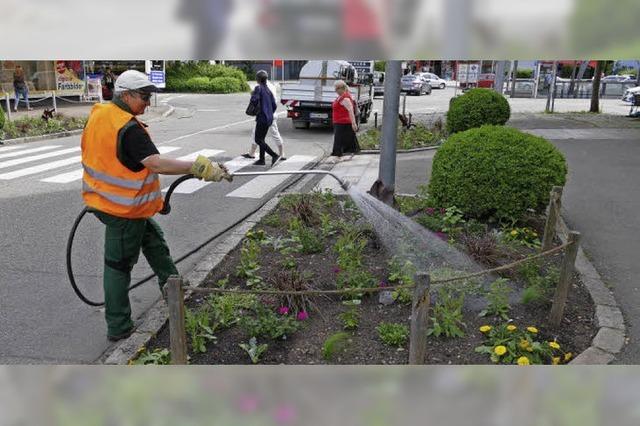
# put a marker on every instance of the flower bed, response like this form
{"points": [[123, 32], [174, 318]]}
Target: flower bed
{"points": [[320, 241], [418, 136], [36, 126]]}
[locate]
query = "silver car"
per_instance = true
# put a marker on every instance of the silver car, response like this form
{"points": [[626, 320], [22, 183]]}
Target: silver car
{"points": [[414, 83], [434, 81]]}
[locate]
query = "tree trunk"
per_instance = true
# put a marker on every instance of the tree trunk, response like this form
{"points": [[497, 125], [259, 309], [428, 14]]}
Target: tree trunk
{"points": [[595, 91]]}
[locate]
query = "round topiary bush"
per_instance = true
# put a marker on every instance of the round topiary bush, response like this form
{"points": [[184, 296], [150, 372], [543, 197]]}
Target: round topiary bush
{"points": [[496, 172], [476, 108]]}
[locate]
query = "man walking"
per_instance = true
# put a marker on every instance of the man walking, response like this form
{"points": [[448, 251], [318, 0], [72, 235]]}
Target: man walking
{"points": [[273, 131], [264, 99], [122, 188]]}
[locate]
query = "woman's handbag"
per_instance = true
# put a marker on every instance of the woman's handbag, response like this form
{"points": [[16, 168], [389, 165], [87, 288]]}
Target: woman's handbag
{"points": [[253, 108]]}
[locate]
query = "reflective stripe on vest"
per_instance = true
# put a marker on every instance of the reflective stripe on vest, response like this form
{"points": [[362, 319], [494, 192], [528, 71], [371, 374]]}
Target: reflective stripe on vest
{"points": [[124, 201], [124, 183]]}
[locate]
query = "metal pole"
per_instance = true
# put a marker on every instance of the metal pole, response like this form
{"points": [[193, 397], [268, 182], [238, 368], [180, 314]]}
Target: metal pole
{"points": [[536, 83], [552, 88], [53, 98], [404, 104], [555, 79], [514, 76], [498, 84], [391, 105]]}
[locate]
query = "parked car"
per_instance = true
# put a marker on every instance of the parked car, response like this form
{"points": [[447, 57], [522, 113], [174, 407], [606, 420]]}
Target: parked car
{"points": [[378, 83], [628, 95], [617, 79], [434, 81], [414, 83]]}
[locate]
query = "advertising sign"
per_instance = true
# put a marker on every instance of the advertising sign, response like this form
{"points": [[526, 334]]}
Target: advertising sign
{"points": [[70, 78], [156, 72], [468, 73]]}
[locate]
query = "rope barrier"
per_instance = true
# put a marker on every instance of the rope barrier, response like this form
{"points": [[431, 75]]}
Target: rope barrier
{"points": [[511, 265]]}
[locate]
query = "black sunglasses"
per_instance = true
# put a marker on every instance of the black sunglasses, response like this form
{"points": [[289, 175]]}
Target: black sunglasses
{"points": [[145, 96]]}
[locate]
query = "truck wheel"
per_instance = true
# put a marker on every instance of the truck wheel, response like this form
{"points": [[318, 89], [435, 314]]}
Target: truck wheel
{"points": [[299, 124]]}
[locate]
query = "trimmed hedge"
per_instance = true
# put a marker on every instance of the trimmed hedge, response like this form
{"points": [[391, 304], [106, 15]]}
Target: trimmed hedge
{"points": [[476, 108], [203, 77], [496, 172]]}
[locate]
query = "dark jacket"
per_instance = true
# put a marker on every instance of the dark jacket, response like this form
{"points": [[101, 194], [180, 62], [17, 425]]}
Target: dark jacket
{"points": [[265, 99]]}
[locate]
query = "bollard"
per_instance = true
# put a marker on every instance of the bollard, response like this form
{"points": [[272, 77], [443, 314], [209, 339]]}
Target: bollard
{"points": [[375, 118], [410, 120], [404, 103], [177, 334], [6, 97], [419, 312], [555, 202], [55, 105], [566, 273]]}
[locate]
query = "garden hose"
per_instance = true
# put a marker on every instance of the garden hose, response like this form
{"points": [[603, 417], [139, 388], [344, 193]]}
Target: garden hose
{"points": [[166, 209]]}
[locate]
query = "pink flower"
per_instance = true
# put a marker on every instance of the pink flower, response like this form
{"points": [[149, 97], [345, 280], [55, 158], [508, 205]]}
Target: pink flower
{"points": [[383, 284], [337, 270], [302, 315], [285, 414], [283, 310], [443, 210], [247, 403], [430, 211], [442, 236]]}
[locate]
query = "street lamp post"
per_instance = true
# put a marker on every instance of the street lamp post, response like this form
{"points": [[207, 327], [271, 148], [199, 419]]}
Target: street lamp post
{"points": [[384, 187]]}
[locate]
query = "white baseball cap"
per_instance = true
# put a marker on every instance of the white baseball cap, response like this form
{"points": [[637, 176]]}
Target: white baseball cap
{"points": [[134, 80]]}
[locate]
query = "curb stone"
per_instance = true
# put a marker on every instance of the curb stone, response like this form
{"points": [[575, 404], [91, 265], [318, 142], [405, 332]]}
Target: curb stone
{"points": [[400, 151], [155, 318], [610, 338]]}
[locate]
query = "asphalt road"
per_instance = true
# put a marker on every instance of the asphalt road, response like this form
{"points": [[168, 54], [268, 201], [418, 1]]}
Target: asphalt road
{"points": [[41, 320]]}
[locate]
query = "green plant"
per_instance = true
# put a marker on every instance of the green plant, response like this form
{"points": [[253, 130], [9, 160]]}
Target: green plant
{"points": [[350, 247], [254, 350], [351, 317], [401, 274], [524, 236], [226, 85], [335, 344], [226, 309], [272, 220], [249, 266], [302, 207], [452, 220], [305, 236], [408, 205], [198, 326], [447, 314], [156, 357], [267, 323], [292, 281], [355, 278], [508, 344], [2, 119], [498, 299], [524, 73], [328, 226], [256, 235], [475, 108], [496, 172], [393, 334], [289, 263], [538, 286]]}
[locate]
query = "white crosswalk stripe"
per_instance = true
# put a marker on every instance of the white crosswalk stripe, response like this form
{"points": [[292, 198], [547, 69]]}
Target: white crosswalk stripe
{"points": [[261, 185], [40, 168], [12, 148], [24, 151], [192, 185], [30, 159], [77, 174], [205, 152]]}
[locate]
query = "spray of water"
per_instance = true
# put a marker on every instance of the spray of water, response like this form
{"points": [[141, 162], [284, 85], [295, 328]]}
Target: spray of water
{"points": [[408, 240]]}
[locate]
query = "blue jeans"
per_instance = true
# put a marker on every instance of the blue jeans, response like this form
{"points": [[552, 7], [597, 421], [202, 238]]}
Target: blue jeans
{"points": [[24, 91]]}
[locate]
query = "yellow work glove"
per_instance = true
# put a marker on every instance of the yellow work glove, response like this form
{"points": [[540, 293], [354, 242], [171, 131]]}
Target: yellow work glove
{"points": [[203, 168]]}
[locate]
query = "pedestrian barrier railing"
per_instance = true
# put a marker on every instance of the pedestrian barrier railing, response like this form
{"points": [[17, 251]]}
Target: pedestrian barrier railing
{"points": [[175, 291]]}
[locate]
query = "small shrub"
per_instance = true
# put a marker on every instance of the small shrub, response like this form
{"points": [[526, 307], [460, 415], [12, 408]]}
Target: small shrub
{"points": [[393, 334], [411, 205], [447, 314], [524, 236], [482, 247], [267, 323], [249, 266], [2, 119], [335, 344], [498, 299], [305, 236], [226, 309], [199, 326], [476, 108], [302, 206], [198, 85], [272, 220], [355, 278], [350, 318], [292, 280], [226, 85], [496, 172], [350, 247]]}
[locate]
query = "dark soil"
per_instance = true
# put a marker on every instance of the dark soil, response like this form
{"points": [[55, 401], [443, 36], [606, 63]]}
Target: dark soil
{"points": [[365, 347]]}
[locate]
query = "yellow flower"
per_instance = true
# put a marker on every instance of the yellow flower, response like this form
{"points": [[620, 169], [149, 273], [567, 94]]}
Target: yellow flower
{"points": [[532, 330], [524, 344], [485, 328], [514, 233], [530, 348], [523, 360], [554, 345], [555, 360], [511, 327], [535, 234], [500, 350], [568, 356]]}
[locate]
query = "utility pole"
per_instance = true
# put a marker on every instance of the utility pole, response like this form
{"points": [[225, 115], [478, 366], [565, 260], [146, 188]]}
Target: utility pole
{"points": [[552, 88], [384, 187], [498, 84], [514, 75]]}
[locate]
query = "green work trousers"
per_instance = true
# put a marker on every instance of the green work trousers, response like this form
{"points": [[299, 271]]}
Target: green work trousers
{"points": [[122, 243]]}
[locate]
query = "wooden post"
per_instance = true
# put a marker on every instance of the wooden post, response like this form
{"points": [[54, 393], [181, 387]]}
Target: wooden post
{"points": [[555, 201], [566, 273], [177, 334], [419, 311]]}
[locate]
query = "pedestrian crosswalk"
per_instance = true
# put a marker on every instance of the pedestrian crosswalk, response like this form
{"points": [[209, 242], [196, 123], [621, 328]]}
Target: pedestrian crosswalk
{"points": [[60, 165]]}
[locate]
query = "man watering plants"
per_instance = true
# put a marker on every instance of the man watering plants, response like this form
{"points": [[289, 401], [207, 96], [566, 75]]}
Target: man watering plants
{"points": [[122, 188]]}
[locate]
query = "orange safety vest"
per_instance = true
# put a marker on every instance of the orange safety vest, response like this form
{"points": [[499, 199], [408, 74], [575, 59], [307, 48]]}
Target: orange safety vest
{"points": [[107, 185]]}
